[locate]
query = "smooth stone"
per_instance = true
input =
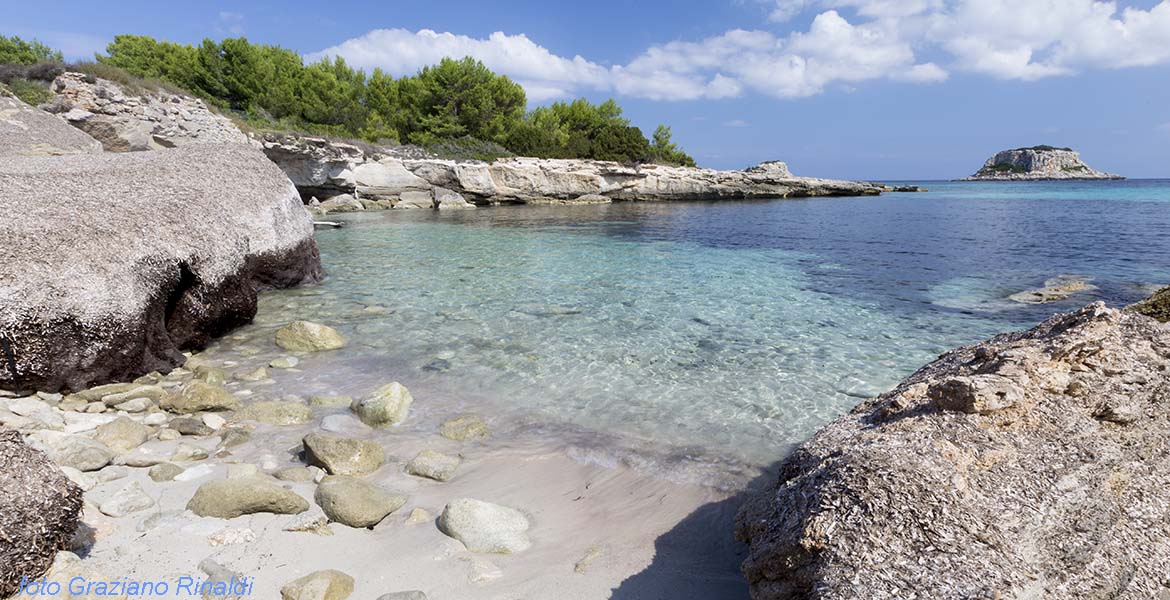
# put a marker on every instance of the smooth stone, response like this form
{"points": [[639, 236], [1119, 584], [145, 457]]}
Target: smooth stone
{"points": [[243, 470], [35, 408], [153, 393], [284, 362], [343, 456], [305, 336], [330, 401], [82, 422], [483, 571], [463, 428], [195, 472], [485, 527], [101, 391], [122, 434], [234, 436], [230, 498], [198, 396], [129, 499], [433, 465], [168, 435], [211, 375], [214, 421], [322, 585], [295, 474], [387, 405], [83, 481], [407, 595], [353, 502], [156, 419], [68, 450], [259, 374], [418, 516], [277, 413], [135, 405], [346, 424], [192, 426], [188, 453], [165, 472]]}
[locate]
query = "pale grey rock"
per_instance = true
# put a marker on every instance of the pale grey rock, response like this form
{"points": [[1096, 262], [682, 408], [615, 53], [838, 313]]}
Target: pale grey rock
{"points": [[129, 499], [199, 396], [415, 199], [446, 199], [1037, 163], [433, 465], [122, 434], [343, 456], [284, 362], [407, 595], [230, 498], [356, 503], [464, 427], [70, 450], [1031, 465], [279, 413], [341, 203], [28, 131], [306, 336], [165, 472], [89, 298], [385, 406], [1055, 289], [485, 527]]}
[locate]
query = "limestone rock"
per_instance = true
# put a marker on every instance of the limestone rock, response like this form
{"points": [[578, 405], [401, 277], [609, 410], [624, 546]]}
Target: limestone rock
{"points": [[415, 200], [1055, 289], [277, 413], [485, 527], [1156, 306], [122, 434], [1037, 163], [230, 498], [27, 131], [305, 336], [331, 401], [446, 199], [354, 502], [90, 298], [343, 456], [129, 499], [387, 405], [433, 465], [68, 450], [39, 510], [198, 396], [164, 472], [463, 428], [321, 585], [1030, 465]]}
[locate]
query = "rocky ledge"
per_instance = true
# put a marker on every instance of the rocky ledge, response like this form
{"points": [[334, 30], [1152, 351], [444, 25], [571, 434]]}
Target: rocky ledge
{"points": [[115, 263], [347, 177], [1037, 163], [1033, 465]]}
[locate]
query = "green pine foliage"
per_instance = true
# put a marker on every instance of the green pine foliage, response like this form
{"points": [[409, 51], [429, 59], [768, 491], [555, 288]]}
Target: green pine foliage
{"points": [[457, 107]]}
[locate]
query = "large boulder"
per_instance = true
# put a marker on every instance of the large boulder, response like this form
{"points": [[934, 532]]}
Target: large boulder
{"points": [[230, 498], [343, 456], [39, 509], [353, 502], [27, 131], [149, 120], [485, 527], [115, 263], [1033, 465]]}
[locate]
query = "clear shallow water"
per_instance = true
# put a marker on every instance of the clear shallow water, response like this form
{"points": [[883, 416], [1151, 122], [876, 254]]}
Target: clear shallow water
{"points": [[728, 330]]}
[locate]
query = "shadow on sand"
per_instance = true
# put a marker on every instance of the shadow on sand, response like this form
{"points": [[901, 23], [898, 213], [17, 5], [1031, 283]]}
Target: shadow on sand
{"points": [[699, 557]]}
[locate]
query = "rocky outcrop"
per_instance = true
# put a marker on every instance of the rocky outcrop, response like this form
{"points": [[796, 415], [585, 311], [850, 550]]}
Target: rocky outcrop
{"points": [[1037, 163], [39, 510], [1157, 306], [115, 263], [27, 131], [331, 169], [1033, 465], [150, 120]]}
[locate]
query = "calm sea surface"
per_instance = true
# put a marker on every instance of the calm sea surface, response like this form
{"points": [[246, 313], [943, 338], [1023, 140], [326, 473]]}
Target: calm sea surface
{"points": [[728, 330]]}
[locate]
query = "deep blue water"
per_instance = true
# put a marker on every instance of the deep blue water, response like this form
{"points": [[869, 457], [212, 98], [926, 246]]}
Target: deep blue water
{"points": [[730, 328]]}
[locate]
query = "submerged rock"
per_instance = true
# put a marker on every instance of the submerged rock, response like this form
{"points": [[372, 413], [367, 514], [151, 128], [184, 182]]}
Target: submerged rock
{"points": [[463, 428], [115, 262], [1030, 465], [305, 336], [277, 413], [387, 405], [485, 527], [1055, 289], [39, 510]]}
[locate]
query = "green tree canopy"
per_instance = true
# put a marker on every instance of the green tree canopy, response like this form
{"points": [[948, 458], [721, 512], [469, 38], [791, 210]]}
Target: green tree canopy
{"points": [[14, 50]]}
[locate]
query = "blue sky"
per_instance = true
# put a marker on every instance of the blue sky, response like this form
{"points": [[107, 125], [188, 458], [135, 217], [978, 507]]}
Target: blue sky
{"points": [[873, 89]]}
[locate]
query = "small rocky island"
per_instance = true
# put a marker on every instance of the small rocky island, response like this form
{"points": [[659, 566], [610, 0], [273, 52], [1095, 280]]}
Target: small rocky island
{"points": [[1038, 163]]}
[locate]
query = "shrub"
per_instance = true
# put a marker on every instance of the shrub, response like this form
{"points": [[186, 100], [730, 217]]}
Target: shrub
{"points": [[31, 92], [14, 50], [467, 148]]}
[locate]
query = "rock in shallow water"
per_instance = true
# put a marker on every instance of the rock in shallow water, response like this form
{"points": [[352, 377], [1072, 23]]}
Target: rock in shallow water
{"points": [[388, 405], [277, 413], [198, 396], [485, 527], [463, 428], [343, 456], [305, 336], [433, 465]]}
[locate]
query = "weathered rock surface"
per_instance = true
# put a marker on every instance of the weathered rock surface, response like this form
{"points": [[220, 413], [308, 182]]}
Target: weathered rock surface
{"points": [[306, 336], [27, 131], [1037, 163], [353, 502], [463, 428], [122, 434], [39, 510], [321, 168], [343, 456], [1156, 306], [70, 450], [1054, 290], [230, 498], [1033, 465], [433, 465], [281, 414], [126, 122], [198, 396], [387, 405], [485, 527], [114, 263], [321, 585]]}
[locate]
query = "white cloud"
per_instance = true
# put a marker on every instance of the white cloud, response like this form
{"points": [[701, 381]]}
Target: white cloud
{"points": [[847, 43], [231, 22]]}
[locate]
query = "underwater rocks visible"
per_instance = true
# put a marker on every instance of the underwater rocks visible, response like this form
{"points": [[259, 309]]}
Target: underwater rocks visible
{"points": [[113, 264], [1030, 465], [1054, 290]]}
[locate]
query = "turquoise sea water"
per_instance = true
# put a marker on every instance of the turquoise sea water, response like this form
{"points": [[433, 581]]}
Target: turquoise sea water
{"points": [[721, 331]]}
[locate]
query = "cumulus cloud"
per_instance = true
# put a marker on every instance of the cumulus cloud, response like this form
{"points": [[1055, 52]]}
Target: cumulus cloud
{"points": [[845, 43]]}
